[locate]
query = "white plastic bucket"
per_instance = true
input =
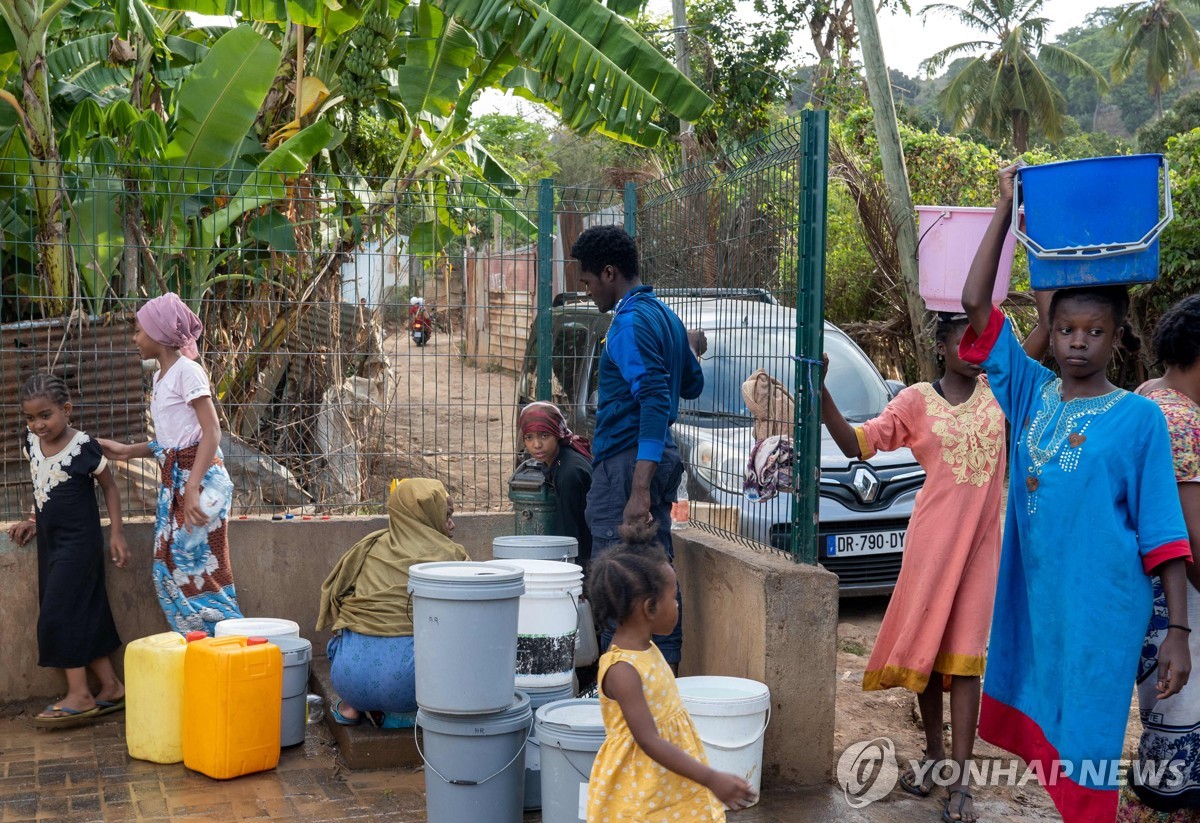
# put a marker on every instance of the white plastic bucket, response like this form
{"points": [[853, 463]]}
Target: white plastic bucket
{"points": [[570, 733], [533, 749], [731, 714], [256, 627], [465, 635], [535, 547], [548, 622], [473, 765]]}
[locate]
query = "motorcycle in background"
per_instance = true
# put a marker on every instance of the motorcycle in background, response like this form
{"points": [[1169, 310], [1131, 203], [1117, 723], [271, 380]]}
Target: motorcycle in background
{"points": [[420, 323]]}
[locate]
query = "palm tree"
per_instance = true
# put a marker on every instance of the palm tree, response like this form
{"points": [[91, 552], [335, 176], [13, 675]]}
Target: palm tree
{"points": [[1161, 31], [1005, 91]]}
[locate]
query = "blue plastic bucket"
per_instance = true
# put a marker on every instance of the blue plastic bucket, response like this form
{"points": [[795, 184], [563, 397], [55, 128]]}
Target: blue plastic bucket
{"points": [[1093, 222]]}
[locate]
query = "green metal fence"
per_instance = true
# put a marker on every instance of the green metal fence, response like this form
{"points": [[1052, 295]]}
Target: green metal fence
{"points": [[304, 284]]}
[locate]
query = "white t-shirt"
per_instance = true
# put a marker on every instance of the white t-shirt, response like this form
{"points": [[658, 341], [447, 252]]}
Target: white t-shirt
{"points": [[175, 423]]}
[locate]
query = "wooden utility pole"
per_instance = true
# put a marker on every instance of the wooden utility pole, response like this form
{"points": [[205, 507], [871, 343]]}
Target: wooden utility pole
{"points": [[900, 205], [680, 23]]}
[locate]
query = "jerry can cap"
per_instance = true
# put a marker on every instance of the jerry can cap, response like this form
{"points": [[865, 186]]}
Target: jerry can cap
{"points": [[255, 641], [195, 635]]}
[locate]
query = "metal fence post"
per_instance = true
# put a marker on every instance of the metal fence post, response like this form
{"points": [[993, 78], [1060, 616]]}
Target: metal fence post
{"points": [[810, 306], [545, 284], [631, 204]]}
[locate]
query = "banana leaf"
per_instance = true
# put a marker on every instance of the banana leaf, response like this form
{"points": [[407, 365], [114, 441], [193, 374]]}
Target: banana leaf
{"points": [[269, 181], [217, 104], [440, 54]]}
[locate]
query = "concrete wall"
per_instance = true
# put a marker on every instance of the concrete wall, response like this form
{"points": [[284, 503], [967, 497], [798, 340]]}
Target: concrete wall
{"points": [[757, 615], [746, 614], [278, 568]]}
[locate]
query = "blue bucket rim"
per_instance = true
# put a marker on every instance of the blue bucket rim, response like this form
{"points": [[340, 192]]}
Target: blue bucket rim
{"points": [[1158, 157]]}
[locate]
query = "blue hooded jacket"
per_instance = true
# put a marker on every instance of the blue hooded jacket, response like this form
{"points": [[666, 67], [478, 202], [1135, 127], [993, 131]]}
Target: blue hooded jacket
{"points": [[645, 367]]}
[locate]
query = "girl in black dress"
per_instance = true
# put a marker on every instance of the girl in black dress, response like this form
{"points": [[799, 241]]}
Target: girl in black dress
{"points": [[75, 627]]}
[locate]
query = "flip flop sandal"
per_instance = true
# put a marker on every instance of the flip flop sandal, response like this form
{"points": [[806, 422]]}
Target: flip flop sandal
{"points": [[917, 789], [341, 719], [68, 719], [104, 707], [963, 797]]}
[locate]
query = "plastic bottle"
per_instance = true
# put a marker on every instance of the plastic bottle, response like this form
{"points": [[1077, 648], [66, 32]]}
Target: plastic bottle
{"points": [[681, 509]]}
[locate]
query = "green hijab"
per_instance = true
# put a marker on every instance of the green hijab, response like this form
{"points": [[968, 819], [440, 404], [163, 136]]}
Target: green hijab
{"points": [[367, 591]]}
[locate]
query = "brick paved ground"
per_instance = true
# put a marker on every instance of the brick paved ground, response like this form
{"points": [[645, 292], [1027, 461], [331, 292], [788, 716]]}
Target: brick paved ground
{"points": [[85, 775]]}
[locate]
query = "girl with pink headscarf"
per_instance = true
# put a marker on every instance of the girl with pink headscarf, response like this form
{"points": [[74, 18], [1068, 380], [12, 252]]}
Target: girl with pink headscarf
{"points": [[192, 575]]}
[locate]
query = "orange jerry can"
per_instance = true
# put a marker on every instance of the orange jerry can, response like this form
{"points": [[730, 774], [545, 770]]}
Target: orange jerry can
{"points": [[232, 688]]}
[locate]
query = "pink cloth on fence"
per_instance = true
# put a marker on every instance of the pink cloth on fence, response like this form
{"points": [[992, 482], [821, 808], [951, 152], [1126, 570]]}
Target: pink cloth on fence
{"points": [[169, 321]]}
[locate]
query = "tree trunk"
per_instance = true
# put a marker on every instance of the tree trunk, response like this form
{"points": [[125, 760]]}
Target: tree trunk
{"points": [[900, 206], [1020, 130], [37, 121]]}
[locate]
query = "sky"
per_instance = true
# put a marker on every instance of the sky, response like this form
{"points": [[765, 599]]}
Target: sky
{"points": [[906, 40]]}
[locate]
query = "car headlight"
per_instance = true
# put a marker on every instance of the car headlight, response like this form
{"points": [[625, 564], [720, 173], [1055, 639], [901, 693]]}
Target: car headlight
{"points": [[719, 465]]}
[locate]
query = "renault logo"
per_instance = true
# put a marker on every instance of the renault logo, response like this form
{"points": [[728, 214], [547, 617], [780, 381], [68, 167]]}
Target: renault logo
{"points": [[866, 484]]}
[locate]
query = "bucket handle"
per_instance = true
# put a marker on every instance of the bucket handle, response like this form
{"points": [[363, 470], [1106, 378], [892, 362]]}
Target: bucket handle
{"points": [[1104, 250], [940, 218], [428, 765], [587, 778], [729, 747]]}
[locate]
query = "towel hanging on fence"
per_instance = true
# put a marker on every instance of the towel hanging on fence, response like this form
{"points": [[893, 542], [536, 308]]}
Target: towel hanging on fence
{"points": [[769, 470]]}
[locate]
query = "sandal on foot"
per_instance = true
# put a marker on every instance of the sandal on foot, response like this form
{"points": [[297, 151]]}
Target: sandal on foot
{"points": [[908, 778], [963, 797], [65, 718], [104, 707], [341, 719]]}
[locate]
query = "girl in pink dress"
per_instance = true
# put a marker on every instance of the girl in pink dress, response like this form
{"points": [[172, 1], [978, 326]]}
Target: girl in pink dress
{"points": [[934, 635]]}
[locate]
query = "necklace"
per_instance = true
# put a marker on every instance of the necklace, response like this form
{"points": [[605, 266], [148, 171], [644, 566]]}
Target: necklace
{"points": [[1070, 431]]}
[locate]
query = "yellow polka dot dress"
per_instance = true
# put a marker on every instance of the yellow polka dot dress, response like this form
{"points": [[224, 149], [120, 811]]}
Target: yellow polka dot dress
{"points": [[626, 785]]}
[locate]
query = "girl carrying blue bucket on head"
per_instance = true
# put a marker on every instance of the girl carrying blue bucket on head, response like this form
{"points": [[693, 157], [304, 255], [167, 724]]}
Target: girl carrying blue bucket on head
{"points": [[192, 575], [934, 635], [1092, 513], [75, 628], [651, 766]]}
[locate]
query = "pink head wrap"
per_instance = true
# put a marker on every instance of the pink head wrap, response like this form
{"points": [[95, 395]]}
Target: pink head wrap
{"points": [[169, 321]]}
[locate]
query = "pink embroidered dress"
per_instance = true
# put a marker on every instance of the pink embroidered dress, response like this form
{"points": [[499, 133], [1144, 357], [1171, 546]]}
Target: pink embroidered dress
{"points": [[938, 618]]}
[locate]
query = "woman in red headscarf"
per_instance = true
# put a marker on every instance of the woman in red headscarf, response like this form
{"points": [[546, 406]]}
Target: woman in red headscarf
{"points": [[568, 461]]}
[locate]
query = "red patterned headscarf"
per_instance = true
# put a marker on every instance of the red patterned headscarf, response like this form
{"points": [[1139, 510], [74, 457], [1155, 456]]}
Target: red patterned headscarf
{"points": [[547, 418]]}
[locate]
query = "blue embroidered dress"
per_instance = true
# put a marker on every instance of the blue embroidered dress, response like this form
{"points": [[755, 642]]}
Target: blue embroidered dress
{"points": [[1092, 509]]}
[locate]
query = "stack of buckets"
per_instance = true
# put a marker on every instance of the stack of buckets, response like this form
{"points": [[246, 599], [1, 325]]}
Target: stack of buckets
{"points": [[223, 705], [567, 733], [474, 723], [494, 643], [1092, 222]]}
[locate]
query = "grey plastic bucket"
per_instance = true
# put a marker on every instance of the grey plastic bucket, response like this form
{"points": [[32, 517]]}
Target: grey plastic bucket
{"points": [[533, 753], [297, 652], [465, 635], [535, 547], [474, 768], [569, 732]]}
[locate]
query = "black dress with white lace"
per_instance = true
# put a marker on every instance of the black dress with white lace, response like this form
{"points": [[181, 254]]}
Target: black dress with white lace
{"points": [[75, 624]]}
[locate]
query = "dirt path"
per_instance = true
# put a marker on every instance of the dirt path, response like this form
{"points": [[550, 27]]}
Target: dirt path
{"points": [[893, 714], [450, 420]]}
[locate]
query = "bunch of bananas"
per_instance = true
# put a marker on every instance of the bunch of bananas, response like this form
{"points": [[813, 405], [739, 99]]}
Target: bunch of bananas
{"points": [[368, 56]]}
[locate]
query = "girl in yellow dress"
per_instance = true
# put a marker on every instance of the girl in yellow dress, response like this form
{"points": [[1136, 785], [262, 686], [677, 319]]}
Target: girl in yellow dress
{"points": [[652, 765]]}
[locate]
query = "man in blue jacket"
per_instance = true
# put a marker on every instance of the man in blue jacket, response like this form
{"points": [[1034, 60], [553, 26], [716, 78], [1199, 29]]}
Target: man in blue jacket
{"points": [[647, 364]]}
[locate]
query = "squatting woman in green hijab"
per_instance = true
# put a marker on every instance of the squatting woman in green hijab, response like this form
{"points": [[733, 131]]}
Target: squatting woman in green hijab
{"points": [[365, 602]]}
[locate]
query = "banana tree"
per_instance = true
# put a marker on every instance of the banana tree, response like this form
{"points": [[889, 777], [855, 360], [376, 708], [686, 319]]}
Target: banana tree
{"points": [[25, 26]]}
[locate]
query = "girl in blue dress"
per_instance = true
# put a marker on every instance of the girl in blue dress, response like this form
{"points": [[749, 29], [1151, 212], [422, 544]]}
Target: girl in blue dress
{"points": [[1092, 513]]}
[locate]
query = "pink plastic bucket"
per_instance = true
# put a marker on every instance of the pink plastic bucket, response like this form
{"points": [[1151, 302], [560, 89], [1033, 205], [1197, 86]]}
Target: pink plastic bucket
{"points": [[950, 236]]}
